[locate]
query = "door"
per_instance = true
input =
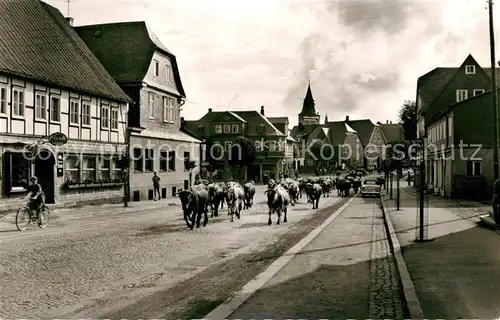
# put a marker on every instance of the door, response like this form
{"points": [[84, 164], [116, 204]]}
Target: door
{"points": [[44, 171]]}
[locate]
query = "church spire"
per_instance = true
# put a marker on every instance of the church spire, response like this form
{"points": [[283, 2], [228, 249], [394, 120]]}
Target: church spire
{"points": [[326, 118], [308, 108]]}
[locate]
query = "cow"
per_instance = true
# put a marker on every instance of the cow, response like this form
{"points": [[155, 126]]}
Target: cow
{"points": [[277, 202], [249, 190], [356, 184], [293, 190], [215, 197], [234, 200], [194, 205], [326, 186], [224, 191], [314, 193], [343, 187]]}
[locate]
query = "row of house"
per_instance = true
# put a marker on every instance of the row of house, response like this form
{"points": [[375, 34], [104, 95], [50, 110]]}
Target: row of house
{"points": [[284, 150], [357, 143], [455, 119], [90, 84]]}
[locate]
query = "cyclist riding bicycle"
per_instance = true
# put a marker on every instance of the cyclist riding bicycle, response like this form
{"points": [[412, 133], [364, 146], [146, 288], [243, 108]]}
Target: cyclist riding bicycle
{"points": [[37, 197]]}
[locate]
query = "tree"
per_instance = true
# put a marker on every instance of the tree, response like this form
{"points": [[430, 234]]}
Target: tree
{"points": [[242, 153], [408, 118]]}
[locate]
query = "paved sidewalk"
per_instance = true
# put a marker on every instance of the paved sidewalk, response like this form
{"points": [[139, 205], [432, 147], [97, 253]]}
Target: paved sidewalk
{"points": [[458, 274], [347, 271]]}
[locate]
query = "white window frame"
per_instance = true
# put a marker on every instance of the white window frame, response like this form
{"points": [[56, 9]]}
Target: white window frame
{"points": [[75, 112], [228, 127], [218, 128], [40, 106], [105, 117], [272, 145], [53, 110], [18, 103], [3, 100], [169, 74], [461, 93], [234, 128], [310, 162], [470, 69], [151, 105], [156, 68], [86, 115], [227, 145], [477, 92], [113, 118], [450, 126], [165, 109], [171, 110]]}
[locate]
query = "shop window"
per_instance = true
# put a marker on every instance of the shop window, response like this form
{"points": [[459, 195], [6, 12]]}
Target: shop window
{"points": [[19, 172], [138, 161], [104, 168], [163, 160], [171, 161], [89, 168], [72, 170], [116, 171]]}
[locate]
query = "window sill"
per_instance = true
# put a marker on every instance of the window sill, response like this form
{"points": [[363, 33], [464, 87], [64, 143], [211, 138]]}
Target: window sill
{"points": [[104, 128], [55, 121], [94, 185], [18, 117], [86, 125], [73, 124], [114, 130], [40, 119], [3, 115]]}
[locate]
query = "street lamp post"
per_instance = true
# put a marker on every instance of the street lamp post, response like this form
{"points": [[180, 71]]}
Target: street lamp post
{"points": [[493, 90], [126, 169]]}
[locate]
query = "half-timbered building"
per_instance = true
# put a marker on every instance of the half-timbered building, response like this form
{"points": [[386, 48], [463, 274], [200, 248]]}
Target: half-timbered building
{"points": [[51, 83]]}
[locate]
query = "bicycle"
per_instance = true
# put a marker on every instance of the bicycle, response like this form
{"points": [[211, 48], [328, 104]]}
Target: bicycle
{"points": [[26, 214]]}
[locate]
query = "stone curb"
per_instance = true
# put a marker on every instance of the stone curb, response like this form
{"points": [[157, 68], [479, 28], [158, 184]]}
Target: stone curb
{"points": [[228, 307], [410, 295]]}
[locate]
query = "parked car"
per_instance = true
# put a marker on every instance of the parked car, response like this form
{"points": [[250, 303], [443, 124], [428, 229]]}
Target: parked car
{"points": [[370, 187]]}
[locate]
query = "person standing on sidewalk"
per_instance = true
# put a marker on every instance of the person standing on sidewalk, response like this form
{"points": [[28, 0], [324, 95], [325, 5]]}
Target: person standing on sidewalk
{"points": [[156, 186], [496, 201]]}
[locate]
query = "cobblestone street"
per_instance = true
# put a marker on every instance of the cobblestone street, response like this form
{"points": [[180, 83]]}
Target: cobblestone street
{"points": [[99, 262]]}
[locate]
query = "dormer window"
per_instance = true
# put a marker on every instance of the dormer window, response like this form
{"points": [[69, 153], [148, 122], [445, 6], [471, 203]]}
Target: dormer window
{"points": [[260, 128], [477, 92], [227, 128], [169, 74], [471, 69], [234, 128], [218, 128]]}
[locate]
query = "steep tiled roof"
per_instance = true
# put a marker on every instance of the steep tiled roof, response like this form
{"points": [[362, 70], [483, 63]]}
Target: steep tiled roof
{"points": [[256, 117], [308, 108], [432, 83], [38, 43], [303, 130], [364, 128], [278, 119], [126, 50], [392, 131], [337, 132]]}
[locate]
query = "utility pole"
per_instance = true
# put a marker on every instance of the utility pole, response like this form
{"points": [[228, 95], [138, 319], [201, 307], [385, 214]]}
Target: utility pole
{"points": [[126, 161], [398, 194], [422, 196], [493, 89], [390, 177]]}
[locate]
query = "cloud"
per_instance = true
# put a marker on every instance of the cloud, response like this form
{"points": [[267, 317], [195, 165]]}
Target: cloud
{"points": [[362, 57]]}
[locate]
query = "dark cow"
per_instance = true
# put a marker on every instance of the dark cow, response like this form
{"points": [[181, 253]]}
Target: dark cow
{"points": [[356, 184], [277, 202], [223, 186], [249, 190], [194, 205], [215, 197], [314, 193], [326, 186]]}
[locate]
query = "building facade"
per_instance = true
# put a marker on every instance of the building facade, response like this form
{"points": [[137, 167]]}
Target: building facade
{"points": [[69, 94], [456, 123], [273, 152], [149, 74]]}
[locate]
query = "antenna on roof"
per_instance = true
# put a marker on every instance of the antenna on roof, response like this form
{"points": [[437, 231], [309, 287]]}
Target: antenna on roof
{"points": [[68, 9]]}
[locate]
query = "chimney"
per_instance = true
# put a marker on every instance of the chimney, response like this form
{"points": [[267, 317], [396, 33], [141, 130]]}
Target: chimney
{"points": [[262, 110], [183, 122], [209, 110], [386, 121], [346, 118], [70, 20], [390, 122]]}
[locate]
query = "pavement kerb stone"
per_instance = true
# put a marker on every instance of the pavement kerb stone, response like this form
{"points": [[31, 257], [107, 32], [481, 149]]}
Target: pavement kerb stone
{"points": [[224, 310], [410, 294]]}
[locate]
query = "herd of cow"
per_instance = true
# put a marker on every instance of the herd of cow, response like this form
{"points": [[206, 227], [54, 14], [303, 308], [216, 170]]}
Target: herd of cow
{"points": [[203, 196]]}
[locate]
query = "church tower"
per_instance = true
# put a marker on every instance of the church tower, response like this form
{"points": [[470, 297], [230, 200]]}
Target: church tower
{"points": [[326, 119], [308, 114]]}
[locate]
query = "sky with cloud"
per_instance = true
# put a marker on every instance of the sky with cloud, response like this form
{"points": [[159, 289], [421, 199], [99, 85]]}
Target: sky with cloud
{"points": [[363, 58]]}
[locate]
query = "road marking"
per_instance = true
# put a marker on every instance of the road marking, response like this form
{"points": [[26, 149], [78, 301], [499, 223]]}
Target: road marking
{"points": [[224, 310]]}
